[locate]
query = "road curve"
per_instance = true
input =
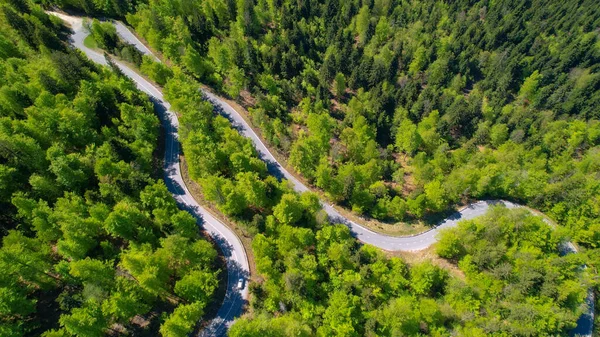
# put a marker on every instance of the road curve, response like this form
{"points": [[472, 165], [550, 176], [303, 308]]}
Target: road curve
{"points": [[391, 243], [229, 243]]}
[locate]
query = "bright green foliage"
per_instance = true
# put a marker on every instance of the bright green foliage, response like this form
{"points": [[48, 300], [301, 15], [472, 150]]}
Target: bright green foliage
{"points": [[339, 317], [85, 226], [339, 85], [419, 60], [454, 101], [408, 139], [124, 220], [157, 71], [363, 19], [449, 245], [25, 262], [530, 86], [435, 194], [498, 134], [513, 265], [263, 326], [55, 333], [401, 317], [253, 189], [15, 303], [91, 271], [289, 210], [86, 321], [104, 33], [196, 286], [184, 224], [126, 302], [181, 322], [448, 84], [427, 279], [236, 82]]}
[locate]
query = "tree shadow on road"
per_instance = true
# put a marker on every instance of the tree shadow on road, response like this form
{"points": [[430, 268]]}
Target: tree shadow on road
{"points": [[233, 301]]}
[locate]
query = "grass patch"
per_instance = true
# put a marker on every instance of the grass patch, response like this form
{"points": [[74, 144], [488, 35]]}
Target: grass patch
{"points": [[90, 42]]}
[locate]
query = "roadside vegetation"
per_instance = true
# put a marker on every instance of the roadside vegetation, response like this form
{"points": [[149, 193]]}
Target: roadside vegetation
{"points": [[398, 111], [518, 274], [316, 279], [103, 35], [400, 116], [92, 242], [397, 115]]}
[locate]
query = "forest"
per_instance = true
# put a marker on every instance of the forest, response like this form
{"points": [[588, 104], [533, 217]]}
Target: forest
{"points": [[396, 110], [399, 101], [91, 238], [316, 279], [406, 115]]}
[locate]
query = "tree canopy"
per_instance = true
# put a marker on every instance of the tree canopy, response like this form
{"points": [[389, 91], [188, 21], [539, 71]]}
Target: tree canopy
{"points": [[465, 101], [90, 237], [398, 110]]}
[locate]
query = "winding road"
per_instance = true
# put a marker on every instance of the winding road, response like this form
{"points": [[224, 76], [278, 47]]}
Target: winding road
{"points": [[237, 261], [226, 239]]}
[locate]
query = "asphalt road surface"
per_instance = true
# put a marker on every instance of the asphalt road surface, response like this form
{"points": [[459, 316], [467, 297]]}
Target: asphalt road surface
{"points": [[226, 238], [229, 243]]}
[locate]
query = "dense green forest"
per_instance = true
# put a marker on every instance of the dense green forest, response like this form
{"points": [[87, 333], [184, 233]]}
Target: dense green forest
{"points": [[316, 279], [397, 110], [373, 101], [400, 109], [90, 237], [514, 284], [403, 109]]}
